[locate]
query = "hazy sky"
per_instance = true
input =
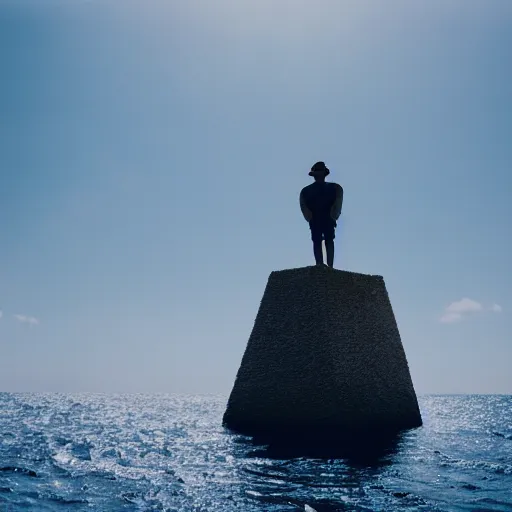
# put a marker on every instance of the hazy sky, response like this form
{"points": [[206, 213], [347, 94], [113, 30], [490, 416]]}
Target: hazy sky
{"points": [[151, 157]]}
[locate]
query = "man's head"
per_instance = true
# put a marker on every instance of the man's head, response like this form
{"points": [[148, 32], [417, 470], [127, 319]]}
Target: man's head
{"points": [[319, 171]]}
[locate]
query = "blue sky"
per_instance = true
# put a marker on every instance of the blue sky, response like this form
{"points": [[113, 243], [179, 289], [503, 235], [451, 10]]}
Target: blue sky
{"points": [[151, 157]]}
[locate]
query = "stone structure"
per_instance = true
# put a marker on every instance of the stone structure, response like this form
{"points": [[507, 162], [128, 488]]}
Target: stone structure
{"points": [[324, 356]]}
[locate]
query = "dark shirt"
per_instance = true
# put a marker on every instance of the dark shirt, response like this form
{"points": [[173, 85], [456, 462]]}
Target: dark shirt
{"points": [[321, 201]]}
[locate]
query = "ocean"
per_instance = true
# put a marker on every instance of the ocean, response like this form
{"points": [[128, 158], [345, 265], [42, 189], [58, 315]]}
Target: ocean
{"points": [[107, 452]]}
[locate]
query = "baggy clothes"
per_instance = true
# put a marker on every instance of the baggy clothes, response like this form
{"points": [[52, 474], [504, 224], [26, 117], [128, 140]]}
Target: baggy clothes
{"points": [[321, 204]]}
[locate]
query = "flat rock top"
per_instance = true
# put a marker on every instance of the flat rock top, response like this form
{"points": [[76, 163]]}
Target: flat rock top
{"points": [[324, 269]]}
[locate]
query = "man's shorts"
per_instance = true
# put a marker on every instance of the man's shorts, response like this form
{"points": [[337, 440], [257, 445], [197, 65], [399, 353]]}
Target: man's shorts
{"points": [[322, 230]]}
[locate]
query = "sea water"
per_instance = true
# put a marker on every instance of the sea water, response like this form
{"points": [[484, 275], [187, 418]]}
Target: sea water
{"points": [[105, 452]]}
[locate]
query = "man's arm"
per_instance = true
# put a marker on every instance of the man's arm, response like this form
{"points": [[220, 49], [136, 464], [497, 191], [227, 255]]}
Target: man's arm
{"points": [[338, 203], [308, 214]]}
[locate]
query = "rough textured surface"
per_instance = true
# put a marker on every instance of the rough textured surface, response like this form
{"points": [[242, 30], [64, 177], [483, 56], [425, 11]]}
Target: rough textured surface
{"points": [[324, 354]]}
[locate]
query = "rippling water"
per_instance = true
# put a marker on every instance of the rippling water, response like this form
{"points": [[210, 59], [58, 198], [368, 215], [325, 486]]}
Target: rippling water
{"points": [[162, 452]]}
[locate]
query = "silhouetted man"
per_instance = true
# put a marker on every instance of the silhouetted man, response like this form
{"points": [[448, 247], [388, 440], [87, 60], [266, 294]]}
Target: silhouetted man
{"points": [[321, 204]]}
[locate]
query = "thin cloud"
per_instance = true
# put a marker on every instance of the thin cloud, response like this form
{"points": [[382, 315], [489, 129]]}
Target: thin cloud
{"points": [[24, 319], [450, 318], [460, 309], [1, 313], [464, 305]]}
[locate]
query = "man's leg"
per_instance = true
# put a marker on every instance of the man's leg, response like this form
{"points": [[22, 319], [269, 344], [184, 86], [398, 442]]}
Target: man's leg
{"points": [[317, 251], [316, 237], [329, 243], [329, 249]]}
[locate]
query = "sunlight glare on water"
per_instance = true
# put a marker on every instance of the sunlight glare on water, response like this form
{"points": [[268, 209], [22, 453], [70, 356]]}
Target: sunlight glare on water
{"points": [[170, 453]]}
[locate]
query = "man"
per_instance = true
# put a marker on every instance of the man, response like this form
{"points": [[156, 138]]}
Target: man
{"points": [[321, 204]]}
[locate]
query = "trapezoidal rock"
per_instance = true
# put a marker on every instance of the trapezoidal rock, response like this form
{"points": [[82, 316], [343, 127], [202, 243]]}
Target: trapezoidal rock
{"points": [[324, 355]]}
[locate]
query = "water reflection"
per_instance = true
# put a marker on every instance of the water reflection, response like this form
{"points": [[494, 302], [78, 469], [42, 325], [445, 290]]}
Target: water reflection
{"points": [[324, 473], [374, 450]]}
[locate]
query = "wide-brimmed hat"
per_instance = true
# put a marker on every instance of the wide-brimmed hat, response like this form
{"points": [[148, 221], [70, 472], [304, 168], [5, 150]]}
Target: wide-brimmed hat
{"points": [[319, 169]]}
